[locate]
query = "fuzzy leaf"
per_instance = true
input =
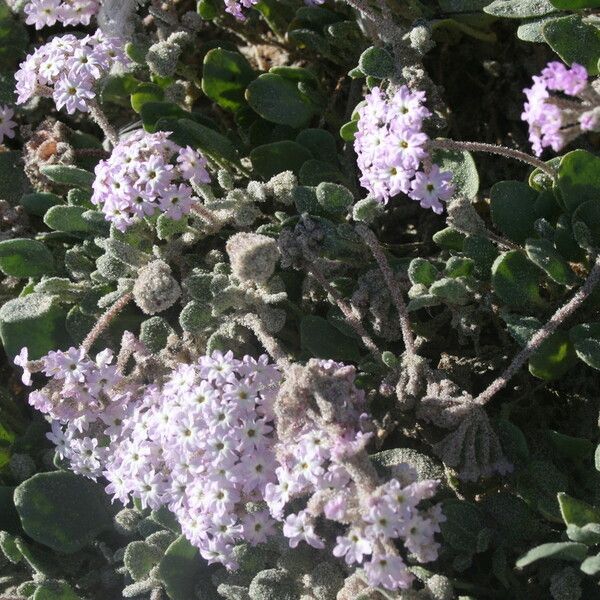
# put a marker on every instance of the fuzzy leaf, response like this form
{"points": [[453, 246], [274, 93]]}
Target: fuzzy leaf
{"points": [[323, 340], [543, 254], [23, 257], [278, 100], [519, 9], [558, 550], [577, 512], [575, 41], [516, 280], [578, 177], [271, 159], [62, 510], [586, 338], [465, 177], [35, 320], [512, 207], [376, 62], [553, 358], [225, 76], [68, 175]]}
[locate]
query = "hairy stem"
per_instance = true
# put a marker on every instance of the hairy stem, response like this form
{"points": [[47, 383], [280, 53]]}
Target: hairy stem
{"points": [[542, 334], [347, 310], [271, 345], [105, 320], [102, 121], [494, 149], [372, 242]]}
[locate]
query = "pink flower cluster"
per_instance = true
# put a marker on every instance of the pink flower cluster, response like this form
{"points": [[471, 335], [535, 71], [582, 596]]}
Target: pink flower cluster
{"points": [[45, 13], [68, 68], [315, 466], [7, 125], [392, 149], [202, 443], [555, 120], [147, 172]]}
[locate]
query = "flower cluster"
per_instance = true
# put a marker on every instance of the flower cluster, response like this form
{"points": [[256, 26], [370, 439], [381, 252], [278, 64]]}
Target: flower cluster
{"points": [[68, 68], [45, 13], [147, 172], [392, 150], [555, 120], [7, 125], [319, 464], [200, 444]]}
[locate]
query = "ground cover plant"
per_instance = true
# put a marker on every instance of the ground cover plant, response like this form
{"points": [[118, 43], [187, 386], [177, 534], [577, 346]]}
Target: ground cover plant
{"points": [[299, 300]]}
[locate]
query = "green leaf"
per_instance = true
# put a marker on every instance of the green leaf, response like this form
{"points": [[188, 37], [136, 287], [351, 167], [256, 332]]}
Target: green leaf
{"points": [[553, 358], [271, 159], [9, 519], [512, 208], [181, 568], [542, 253], [463, 523], [195, 317], [558, 550], [575, 4], [516, 280], [139, 558], [320, 143], [334, 198], [278, 100], [578, 178], [68, 175], [12, 176], [144, 93], [449, 238], [452, 291], [225, 76], [314, 172], [574, 41], [538, 484], [152, 112], [70, 219], [348, 131], [483, 252], [376, 62], [521, 328], [577, 512], [56, 590], [465, 177], [38, 203], [588, 214], [519, 9], [588, 534], [422, 271], [323, 340], [13, 38], [36, 321], [586, 339], [23, 257], [62, 510], [210, 141], [591, 565]]}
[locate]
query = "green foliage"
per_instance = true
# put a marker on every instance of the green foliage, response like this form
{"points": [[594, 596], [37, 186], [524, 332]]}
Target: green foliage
{"points": [[515, 280], [512, 206], [68, 175], [180, 569], [62, 510], [376, 62], [225, 77], [22, 257], [279, 100], [558, 550], [270, 159], [37, 320], [574, 40], [321, 339]]}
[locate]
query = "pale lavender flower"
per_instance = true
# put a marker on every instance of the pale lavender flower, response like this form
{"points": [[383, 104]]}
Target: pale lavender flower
{"points": [[391, 146], [142, 177], [45, 13], [555, 120]]}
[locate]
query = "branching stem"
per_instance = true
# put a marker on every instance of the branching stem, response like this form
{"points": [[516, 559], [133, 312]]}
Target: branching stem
{"points": [[105, 320], [347, 310], [542, 335], [494, 149]]}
